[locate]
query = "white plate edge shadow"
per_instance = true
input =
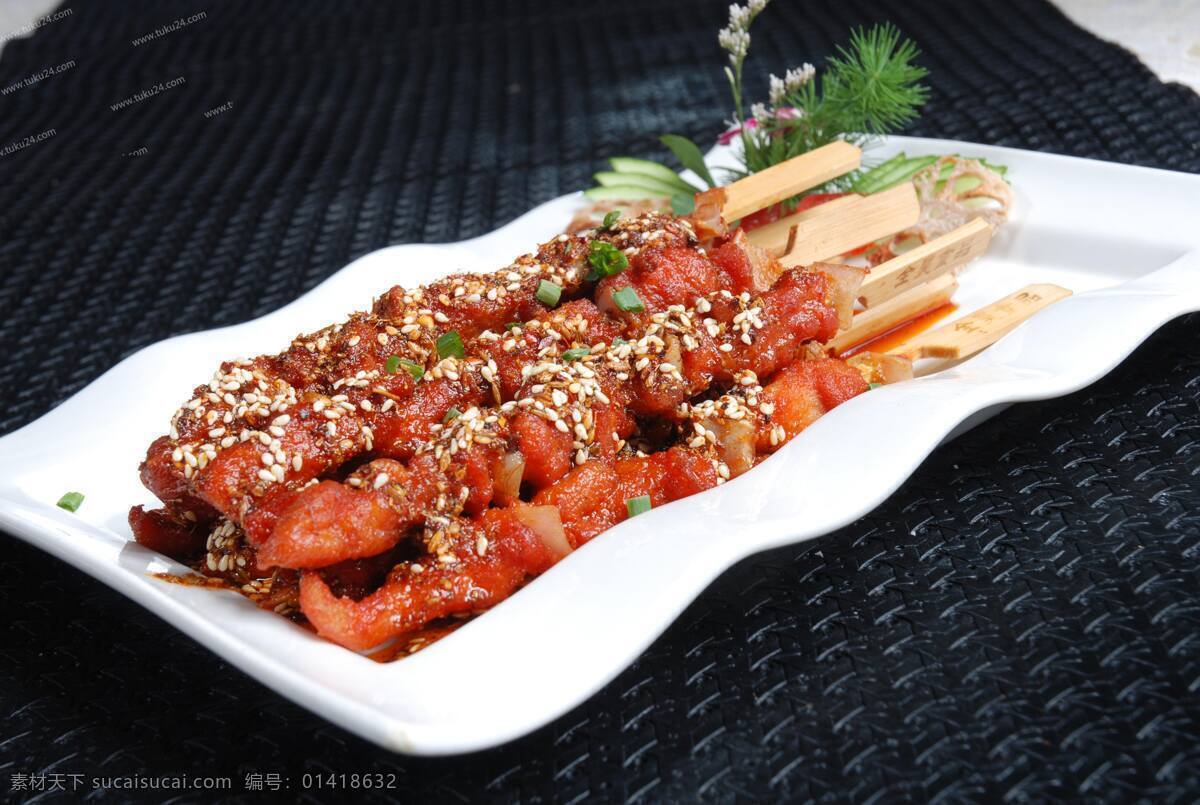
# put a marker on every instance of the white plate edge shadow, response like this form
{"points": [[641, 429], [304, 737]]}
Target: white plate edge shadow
{"points": [[1019, 368]]}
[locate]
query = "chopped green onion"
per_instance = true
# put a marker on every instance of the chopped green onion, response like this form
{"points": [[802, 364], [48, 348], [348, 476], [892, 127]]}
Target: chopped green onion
{"points": [[512, 325], [548, 293], [71, 501], [618, 341], [415, 369], [627, 299], [450, 345], [606, 259], [393, 365], [576, 354], [453, 413], [871, 386], [638, 505], [610, 219]]}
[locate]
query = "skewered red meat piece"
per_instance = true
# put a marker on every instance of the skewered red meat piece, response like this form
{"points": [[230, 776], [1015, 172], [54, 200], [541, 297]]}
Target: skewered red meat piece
{"points": [[592, 498], [494, 555], [750, 422], [485, 559]]}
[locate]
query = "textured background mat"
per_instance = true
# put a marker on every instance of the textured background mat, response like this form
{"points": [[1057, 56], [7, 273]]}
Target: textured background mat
{"points": [[1020, 620]]}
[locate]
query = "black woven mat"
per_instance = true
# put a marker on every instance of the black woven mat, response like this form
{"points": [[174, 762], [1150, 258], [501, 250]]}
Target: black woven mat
{"points": [[1020, 621]]}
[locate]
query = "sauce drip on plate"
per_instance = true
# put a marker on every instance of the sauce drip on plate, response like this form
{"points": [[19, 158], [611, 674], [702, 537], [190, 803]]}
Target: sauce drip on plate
{"points": [[899, 335]]}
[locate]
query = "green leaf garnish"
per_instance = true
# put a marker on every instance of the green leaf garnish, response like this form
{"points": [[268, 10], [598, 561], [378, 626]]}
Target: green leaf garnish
{"points": [[610, 219], [452, 414], [683, 204], [688, 154], [575, 354], [871, 386], [627, 299]]}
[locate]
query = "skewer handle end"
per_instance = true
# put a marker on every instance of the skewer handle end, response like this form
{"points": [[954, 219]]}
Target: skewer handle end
{"points": [[976, 331]]}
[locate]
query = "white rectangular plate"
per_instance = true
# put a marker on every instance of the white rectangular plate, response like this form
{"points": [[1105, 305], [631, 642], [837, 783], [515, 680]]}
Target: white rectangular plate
{"points": [[1114, 234]]}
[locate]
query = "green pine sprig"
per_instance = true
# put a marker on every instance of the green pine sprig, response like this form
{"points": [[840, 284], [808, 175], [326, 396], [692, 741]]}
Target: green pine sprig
{"points": [[872, 87]]}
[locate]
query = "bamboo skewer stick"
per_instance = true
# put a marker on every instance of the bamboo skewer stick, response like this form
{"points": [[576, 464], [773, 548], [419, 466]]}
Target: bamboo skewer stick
{"points": [[843, 224], [947, 253], [761, 190], [976, 331], [778, 237], [876, 321]]}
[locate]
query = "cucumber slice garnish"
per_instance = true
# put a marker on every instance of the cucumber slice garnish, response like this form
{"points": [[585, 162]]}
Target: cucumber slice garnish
{"points": [[869, 177], [614, 179], [621, 193], [644, 167], [898, 173]]}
